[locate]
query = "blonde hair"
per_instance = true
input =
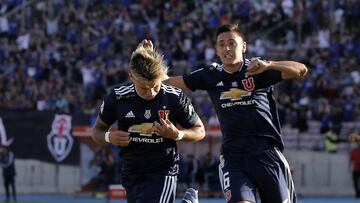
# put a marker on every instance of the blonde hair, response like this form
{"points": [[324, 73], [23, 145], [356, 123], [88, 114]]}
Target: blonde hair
{"points": [[148, 64]]}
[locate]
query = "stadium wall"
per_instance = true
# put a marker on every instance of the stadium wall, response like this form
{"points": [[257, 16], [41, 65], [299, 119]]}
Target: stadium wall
{"points": [[38, 177], [321, 173], [315, 174]]}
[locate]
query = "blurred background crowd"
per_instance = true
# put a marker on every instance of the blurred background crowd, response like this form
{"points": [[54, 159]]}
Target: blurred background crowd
{"points": [[63, 55]]}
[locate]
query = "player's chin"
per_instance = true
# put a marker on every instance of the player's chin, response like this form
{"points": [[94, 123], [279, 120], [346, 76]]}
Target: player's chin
{"points": [[149, 97], [228, 61]]}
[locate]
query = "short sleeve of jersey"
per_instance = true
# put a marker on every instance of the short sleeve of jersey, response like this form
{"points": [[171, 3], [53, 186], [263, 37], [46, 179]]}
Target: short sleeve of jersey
{"points": [[267, 78], [186, 115], [107, 109], [197, 79]]}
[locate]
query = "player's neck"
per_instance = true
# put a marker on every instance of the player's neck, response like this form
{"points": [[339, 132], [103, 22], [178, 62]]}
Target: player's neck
{"points": [[232, 68]]}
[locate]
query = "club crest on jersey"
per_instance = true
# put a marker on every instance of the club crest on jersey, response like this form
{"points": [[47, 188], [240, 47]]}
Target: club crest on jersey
{"points": [[147, 114], [234, 94], [248, 84], [164, 114], [59, 140]]}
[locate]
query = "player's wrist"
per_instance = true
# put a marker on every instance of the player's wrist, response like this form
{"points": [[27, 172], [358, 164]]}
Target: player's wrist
{"points": [[180, 135], [267, 64], [107, 137]]}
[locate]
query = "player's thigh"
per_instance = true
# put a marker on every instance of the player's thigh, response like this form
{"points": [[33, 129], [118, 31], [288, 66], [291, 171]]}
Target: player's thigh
{"points": [[236, 186], [152, 188], [274, 178]]}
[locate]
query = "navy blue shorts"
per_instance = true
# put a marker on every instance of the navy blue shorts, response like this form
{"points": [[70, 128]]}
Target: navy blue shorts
{"points": [[150, 188], [267, 172]]}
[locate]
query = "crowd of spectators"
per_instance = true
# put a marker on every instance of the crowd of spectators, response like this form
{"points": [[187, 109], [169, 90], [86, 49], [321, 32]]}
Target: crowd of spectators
{"points": [[63, 55]]}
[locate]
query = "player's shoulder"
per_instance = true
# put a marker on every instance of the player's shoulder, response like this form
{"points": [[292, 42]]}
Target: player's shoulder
{"points": [[124, 90], [209, 69], [169, 89]]}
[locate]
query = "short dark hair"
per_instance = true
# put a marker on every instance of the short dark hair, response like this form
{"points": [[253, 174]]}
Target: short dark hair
{"points": [[230, 28]]}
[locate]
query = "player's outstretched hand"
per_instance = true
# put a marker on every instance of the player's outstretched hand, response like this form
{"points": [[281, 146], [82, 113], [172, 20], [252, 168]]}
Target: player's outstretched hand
{"points": [[119, 138], [354, 137], [166, 129], [256, 66]]}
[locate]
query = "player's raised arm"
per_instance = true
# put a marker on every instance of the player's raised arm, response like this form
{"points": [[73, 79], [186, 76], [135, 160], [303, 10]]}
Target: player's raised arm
{"points": [[177, 81], [102, 136], [288, 69]]}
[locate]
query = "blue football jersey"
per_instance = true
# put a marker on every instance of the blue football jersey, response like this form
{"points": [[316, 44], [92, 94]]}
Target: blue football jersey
{"points": [[245, 106], [148, 152]]}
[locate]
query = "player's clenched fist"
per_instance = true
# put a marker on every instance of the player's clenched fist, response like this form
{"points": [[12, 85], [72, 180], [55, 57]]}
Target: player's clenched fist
{"points": [[119, 138], [256, 66]]}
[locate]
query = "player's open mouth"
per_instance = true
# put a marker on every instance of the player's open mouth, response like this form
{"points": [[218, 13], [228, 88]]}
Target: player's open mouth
{"points": [[229, 56]]}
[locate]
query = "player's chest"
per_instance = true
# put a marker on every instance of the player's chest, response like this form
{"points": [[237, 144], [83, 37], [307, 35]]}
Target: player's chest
{"points": [[233, 89], [135, 112]]}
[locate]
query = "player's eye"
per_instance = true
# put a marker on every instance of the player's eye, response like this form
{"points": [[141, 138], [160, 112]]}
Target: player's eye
{"points": [[221, 45], [232, 44]]}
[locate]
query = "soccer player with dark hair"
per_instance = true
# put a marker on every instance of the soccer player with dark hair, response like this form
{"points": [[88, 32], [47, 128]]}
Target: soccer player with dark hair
{"points": [[241, 91], [151, 117]]}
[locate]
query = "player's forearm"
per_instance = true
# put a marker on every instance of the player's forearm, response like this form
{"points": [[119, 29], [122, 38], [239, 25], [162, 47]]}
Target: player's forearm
{"points": [[178, 82], [289, 69], [194, 134], [98, 135]]}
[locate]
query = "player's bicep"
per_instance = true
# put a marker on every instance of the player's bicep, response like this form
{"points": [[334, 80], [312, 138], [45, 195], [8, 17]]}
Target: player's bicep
{"points": [[101, 125], [186, 115], [177, 81], [267, 79], [197, 80], [108, 109]]}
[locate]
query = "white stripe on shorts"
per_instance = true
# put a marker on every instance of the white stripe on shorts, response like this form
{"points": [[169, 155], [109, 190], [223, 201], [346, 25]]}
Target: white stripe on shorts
{"points": [[169, 189]]}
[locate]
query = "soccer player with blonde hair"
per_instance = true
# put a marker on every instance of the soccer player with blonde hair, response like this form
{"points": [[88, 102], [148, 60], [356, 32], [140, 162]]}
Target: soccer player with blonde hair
{"points": [[151, 117]]}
